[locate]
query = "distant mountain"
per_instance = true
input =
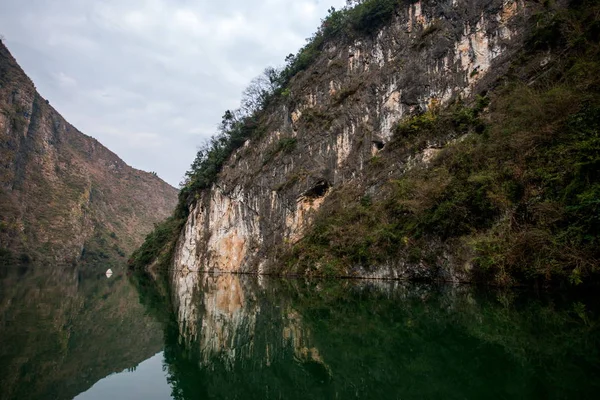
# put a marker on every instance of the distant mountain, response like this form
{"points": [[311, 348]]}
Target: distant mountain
{"points": [[64, 197]]}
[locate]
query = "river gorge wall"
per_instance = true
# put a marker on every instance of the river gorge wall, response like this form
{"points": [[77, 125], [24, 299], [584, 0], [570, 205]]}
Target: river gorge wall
{"points": [[340, 113]]}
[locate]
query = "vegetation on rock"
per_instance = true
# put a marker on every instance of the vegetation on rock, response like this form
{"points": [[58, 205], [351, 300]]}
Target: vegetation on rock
{"points": [[519, 190]]}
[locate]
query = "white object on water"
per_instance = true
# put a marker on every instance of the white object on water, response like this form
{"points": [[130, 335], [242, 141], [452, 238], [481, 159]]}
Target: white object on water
{"points": [[109, 273]]}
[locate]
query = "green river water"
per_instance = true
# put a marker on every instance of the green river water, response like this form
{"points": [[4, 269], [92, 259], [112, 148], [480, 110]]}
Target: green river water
{"points": [[69, 333]]}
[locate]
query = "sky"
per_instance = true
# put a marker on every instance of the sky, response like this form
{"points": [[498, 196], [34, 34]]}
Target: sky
{"points": [[150, 79]]}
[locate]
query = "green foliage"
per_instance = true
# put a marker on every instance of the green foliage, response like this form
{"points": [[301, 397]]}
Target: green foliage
{"points": [[370, 15], [6, 257], [457, 120], [158, 246], [211, 157], [376, 161], [287, 145], [416, 124], [347, 91], [24, 259], [119, 251], [9, 259], [315, 119]]}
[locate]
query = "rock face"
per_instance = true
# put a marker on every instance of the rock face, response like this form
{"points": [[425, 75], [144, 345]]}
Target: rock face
{"points": [[340, 113], [63, 195]]}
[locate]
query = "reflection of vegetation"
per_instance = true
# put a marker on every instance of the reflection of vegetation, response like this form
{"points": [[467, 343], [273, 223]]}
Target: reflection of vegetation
{"points": [[153, 296], [388, 340], [6, 257], [65, 327], [440, 338]]}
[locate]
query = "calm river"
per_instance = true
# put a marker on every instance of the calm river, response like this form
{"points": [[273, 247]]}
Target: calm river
{"points": [[68, 333]]}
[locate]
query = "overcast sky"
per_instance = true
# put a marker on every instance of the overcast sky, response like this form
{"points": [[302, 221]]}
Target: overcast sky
{"points": [[150, 79]]}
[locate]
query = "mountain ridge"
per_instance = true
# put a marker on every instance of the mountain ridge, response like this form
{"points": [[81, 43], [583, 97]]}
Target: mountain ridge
{"points": [[66, 197]]}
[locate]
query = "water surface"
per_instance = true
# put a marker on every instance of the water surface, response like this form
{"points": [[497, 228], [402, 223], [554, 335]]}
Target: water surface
{"points": [[67, 333]]}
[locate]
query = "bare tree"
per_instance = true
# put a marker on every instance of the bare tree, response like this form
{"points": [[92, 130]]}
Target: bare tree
{"points": [[257, 93], [254, 95]]}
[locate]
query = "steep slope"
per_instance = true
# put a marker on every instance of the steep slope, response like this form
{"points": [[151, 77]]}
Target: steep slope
{"points": [[450, 140], [63, 195], [338, 112]]}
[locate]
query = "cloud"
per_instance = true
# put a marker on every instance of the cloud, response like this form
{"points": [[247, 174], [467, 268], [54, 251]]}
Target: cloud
{"points": [[151, 78], [65, 81]]}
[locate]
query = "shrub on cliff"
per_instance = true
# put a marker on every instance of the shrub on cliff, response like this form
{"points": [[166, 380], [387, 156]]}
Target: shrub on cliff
{"points": [[158, 246]]}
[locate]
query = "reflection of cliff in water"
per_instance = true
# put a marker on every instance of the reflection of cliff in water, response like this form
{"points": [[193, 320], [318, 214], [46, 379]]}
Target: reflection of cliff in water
{"points": [[248, 337], [62, 328], [240, 319]]}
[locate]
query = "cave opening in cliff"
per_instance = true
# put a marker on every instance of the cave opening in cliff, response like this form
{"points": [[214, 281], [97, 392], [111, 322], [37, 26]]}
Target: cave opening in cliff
{"points": [[378, 144], [318, 190]]}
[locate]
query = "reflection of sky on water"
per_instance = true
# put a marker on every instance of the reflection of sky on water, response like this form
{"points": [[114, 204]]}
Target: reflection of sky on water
{"points": [[147, 381]]}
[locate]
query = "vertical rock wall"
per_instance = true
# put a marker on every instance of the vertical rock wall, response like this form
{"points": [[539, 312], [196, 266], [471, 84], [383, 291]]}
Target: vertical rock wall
{"points": [[341, 111]]}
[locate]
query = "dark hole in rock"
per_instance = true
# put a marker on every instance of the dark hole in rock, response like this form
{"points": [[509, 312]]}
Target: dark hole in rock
{"points": [[378, 144], [318, 190]]}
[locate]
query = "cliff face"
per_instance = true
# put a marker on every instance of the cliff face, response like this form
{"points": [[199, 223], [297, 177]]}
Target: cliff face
{"points": [[339, 114], [63, 195]]}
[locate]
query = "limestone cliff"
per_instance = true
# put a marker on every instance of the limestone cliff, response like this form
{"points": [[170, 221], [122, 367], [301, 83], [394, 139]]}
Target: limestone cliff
{"points": [[341, 112], [63, 195], [451, 140]]}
